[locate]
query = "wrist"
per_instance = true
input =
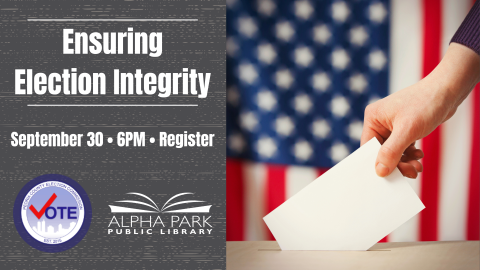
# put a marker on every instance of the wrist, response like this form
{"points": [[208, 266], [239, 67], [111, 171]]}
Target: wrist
{"points": [[455, 76], [441, 96]]}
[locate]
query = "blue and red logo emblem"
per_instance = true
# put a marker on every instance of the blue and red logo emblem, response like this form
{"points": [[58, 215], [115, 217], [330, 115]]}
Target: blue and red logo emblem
{"points": [[52, 213]]}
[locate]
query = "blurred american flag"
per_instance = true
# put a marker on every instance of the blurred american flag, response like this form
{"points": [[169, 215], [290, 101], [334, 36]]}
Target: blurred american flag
{"points": [[299, 76]]}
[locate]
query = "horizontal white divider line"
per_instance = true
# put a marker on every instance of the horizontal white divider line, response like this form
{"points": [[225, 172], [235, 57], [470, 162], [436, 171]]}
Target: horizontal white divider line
{"points": [[112, 105], [112, 20]]}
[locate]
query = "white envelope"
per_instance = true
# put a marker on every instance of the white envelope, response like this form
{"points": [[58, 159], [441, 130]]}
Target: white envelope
{"points": [[347, 208]]}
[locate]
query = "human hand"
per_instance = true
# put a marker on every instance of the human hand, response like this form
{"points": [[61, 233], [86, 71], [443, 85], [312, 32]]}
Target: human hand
{"points": [[400, 119]]}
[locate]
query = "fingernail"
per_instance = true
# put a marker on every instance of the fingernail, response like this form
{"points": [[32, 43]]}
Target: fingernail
{"points": [[381, 170]]}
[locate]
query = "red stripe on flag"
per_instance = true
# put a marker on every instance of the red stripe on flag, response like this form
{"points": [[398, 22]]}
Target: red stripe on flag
{"points": [[321, 171], [384, 239], [432, 23], [473, 214], [430, 186], [275, 189], [235, 197]]}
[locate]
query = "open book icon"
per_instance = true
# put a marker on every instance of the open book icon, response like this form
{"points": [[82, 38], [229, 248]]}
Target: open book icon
{"points": [[156, 209]]}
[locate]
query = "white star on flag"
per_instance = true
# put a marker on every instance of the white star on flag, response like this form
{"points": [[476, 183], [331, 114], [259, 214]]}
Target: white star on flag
{"points": [[320, 128], [302, 150], [266, 53], [321, 81], [248, 121], [247, 26], [355, 129], [266, 147], [340, 106], [358, 36], [266, 100], [236, 142], [302, 104], [321, 34], [357, 83], [377, 60], [373, 99], [233, 96], [248, 73], [283, 78], [303, 9], [377, 12], [266, 7], [340, 59], [284, 31], [232, 46], [284, 126], [303, 56], [338, 152], [340, 11], [231, 3]]}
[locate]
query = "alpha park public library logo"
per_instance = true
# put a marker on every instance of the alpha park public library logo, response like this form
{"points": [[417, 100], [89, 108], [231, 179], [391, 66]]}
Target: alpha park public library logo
{"points": [[52, 213], [143, 216]]}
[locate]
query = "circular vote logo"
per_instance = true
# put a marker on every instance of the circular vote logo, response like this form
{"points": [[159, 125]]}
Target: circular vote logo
{"points": [[52, 213]]}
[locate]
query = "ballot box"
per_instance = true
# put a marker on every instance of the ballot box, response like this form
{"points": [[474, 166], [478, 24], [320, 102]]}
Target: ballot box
{"points": [[451, 255]]}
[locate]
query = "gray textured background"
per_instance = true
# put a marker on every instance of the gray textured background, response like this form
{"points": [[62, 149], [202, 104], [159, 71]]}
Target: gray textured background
{"points": [[108, 172]]}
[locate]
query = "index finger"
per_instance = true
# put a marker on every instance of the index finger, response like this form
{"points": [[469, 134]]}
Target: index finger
{"points": [[368, 133]]}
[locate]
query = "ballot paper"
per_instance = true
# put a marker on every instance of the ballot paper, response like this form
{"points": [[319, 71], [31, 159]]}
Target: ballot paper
{"points": [[347, 208]]}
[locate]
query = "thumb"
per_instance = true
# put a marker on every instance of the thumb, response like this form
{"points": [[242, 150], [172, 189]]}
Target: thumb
{"points": [[392, 150]]}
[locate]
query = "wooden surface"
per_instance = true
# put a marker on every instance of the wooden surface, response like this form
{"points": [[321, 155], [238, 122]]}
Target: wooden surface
{"points": [[460, 255]]}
